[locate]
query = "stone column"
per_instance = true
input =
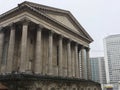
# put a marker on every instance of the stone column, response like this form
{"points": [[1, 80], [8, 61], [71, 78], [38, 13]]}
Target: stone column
{"points": [[76, 61], [60, 69], [73, 60], [23, 61], [83, 63], [1, 45], [78, 64], [88, 64], [50, 52], [10, 57], [38, 59], [69, 58]]}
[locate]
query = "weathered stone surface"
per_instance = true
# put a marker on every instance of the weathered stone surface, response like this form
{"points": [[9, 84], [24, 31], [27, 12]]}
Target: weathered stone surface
{"points": [[23, 62], [9, 67], [43, 58]]}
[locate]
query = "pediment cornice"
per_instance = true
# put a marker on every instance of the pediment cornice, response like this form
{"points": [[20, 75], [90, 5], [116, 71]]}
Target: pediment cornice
{"points": [[33, 6], [56, 10]]}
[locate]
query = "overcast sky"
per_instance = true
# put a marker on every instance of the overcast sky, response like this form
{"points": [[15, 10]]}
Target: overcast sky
{"points": [[100, 18]]}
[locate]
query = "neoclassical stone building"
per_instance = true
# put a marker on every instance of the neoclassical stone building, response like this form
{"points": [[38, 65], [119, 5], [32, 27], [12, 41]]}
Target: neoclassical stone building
{"points": [[44, 48]]}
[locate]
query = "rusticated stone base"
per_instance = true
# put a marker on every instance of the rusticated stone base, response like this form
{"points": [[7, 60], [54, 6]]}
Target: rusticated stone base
{"points": [[39, 82]]}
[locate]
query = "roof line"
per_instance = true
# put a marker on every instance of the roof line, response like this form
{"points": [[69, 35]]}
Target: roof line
{"points": [[33, 5], [8, 12], [44, 6], [56, 21], [63, 11]]}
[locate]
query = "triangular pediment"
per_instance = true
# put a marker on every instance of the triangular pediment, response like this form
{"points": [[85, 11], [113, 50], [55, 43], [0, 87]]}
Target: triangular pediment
{"points": [[58, 15], [62, 17], [64, 20]]}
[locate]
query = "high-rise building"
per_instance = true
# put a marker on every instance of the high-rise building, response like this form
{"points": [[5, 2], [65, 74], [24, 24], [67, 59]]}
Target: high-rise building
{"points": [[112, 59], [94, 69], [98, 69]]}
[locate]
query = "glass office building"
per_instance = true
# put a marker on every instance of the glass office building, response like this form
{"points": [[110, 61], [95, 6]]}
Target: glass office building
{"points": [[98, 70], [112, 59]]}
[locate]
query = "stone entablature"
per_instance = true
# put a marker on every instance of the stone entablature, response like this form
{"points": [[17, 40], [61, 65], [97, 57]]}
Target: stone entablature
{"points": [[66, 32]]}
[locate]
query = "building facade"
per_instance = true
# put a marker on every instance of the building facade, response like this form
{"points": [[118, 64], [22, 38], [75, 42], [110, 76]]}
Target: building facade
{"points": [[98, 69], [40, 47], [112, 58], [95, 69]]}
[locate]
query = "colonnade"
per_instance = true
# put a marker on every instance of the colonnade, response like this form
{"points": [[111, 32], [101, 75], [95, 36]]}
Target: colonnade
{"points": [[72, 70]]}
